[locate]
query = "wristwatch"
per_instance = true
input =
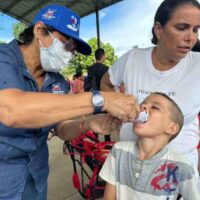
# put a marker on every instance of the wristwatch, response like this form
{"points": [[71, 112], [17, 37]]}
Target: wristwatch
{"points": [[97, 101]]}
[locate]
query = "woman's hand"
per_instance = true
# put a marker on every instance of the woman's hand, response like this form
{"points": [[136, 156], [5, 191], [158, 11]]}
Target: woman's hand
{"points": [[123, 107], [102, 123]]}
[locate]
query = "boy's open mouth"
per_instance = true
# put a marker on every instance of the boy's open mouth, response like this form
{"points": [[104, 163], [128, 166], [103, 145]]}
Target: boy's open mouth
{"points": [[142, 118]]}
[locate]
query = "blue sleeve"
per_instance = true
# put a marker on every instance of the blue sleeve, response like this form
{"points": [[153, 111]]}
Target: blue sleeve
{"points": [[10, 75]]}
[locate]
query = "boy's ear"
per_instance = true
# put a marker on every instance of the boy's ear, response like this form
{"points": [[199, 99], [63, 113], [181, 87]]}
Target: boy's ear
{"points": [[172, 129]]}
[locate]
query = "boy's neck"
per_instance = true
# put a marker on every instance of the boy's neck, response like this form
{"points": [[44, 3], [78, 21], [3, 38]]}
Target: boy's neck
{"points": [[148, 147]]}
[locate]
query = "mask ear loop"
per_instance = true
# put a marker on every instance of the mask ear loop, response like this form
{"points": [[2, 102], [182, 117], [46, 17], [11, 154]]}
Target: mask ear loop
{"points": [[40, 43], [51, 34]]}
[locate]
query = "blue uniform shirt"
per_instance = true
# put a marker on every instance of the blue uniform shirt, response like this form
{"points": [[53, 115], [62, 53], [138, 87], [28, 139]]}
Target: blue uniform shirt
{"points": [[23, 150]]}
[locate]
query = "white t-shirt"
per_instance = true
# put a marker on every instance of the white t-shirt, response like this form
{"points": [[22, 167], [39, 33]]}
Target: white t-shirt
{"points": [[182, 83]]}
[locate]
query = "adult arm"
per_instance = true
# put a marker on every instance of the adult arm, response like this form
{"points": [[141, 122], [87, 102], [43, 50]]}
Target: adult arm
{"points": [[110, 192], [106, 84], [102, 123], [19, 109], [116, 74]]}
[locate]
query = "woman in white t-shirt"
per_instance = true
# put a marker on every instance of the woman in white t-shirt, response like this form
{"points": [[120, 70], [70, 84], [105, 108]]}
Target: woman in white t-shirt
{"points": [[168, 67]]}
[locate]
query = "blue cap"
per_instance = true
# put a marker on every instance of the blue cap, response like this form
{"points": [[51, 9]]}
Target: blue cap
{"points": [[65, 21]]}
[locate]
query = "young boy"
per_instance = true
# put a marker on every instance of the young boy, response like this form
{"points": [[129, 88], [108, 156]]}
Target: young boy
{"points": [[147, 169]]}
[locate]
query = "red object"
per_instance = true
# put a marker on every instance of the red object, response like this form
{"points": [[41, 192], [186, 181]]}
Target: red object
{"points": [[88, 154], [76, 181]]}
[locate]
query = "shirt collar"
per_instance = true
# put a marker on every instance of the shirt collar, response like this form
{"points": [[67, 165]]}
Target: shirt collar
{"points": [[153, 159]]}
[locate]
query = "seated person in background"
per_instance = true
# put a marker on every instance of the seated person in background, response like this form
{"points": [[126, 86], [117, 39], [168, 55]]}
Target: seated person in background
{"points": [[147, 169]]}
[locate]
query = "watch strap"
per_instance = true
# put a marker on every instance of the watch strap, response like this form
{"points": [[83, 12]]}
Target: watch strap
{"points": [[97, 109]]}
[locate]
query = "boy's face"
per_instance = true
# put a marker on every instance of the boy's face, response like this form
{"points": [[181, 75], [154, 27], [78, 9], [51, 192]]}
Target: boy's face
{"points": [[159, 122]]}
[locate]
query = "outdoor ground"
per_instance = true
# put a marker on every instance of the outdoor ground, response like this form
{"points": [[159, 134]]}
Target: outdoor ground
{"points": [[60, 186], [60, 177]]}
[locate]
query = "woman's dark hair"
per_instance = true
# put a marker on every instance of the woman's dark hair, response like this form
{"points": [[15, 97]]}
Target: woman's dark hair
{"points": [[27, 36], [165, 11], [196, 47]]}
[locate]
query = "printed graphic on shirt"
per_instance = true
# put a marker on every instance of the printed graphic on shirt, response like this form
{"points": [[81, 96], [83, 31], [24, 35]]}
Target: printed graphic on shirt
{"points": [[142, 94], [165, 179], [56, 89]]}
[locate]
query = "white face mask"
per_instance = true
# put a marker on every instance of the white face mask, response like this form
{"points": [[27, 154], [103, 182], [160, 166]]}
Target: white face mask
{"points": [[55, 57]]}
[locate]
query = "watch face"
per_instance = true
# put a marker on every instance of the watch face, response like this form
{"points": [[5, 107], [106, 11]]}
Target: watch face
{"points": [[98, 100]]}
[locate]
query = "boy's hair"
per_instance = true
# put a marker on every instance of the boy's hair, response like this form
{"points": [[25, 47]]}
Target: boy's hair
{"points": [[176, 114]]}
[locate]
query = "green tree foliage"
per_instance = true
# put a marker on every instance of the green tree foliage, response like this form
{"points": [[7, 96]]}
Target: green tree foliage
{"points": [[2, 42], [17, 29], [82, 63]]}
